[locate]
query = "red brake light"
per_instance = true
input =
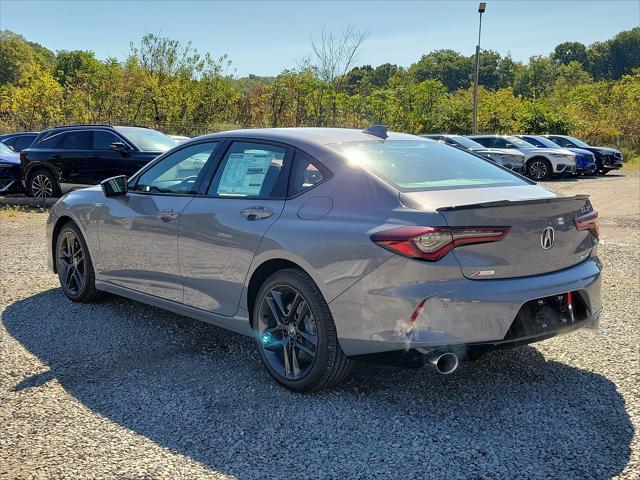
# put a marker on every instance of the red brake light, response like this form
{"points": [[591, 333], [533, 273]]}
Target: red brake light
{"points": [[588, 222], [22, 156], [433, 243]]}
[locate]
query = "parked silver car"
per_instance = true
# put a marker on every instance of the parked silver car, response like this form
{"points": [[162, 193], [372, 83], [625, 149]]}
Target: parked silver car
{"points": [[330, 244], [507, 157], [541, 163]]}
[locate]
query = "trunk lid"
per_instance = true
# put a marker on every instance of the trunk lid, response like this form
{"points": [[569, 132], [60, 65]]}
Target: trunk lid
{"points": [[526, 250]]}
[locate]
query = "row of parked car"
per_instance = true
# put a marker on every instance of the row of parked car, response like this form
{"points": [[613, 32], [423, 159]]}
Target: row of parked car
{"points": [[539, 157], [51, 162]]}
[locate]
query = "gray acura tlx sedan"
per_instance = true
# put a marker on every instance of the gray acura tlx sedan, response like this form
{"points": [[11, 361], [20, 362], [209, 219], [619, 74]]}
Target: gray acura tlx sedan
{"points": [[327, 245]]}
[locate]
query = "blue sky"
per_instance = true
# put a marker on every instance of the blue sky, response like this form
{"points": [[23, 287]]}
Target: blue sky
{"points": [[266, 37]]}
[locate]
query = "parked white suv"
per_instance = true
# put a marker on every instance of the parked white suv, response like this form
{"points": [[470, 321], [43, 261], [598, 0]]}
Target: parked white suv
{"points": [[540, 163]]}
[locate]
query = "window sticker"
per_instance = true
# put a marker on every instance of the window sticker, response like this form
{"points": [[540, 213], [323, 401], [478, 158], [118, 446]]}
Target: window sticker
{"points": [[244, 174]]}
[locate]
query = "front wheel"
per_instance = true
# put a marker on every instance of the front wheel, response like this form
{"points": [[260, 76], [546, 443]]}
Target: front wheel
{"points": [[296, 335], [75, 269], [539, 169]]}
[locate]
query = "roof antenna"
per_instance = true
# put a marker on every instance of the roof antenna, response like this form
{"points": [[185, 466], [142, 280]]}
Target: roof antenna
{"points": [[377, 131]]}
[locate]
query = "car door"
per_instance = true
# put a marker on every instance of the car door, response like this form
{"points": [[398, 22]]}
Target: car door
{"points": [[220, 232], [104, 161], [72, 157], [138, 232]]}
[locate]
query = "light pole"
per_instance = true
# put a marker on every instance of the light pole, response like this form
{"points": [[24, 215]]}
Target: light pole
{"points": [[481, 9]]}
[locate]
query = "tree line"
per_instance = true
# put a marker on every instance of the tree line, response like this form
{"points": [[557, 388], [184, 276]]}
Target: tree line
{"points": [[590, 91]]}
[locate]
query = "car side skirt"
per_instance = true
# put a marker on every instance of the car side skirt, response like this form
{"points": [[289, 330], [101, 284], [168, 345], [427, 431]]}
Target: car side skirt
{"points": [[239, 323]]}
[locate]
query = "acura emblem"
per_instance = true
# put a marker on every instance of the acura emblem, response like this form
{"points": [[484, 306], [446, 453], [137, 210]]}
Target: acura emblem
{"points": [[547, 238]]}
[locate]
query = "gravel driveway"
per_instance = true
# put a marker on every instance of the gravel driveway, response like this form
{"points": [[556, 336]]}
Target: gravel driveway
{"points": [[122, 390]]}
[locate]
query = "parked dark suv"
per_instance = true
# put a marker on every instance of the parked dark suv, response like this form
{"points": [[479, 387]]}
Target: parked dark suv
{"points": [[607, 159], [62, 158], [19, 140]]}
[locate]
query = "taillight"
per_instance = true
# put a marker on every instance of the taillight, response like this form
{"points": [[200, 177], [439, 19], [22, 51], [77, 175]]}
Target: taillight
{"points": [[588, 222], [22, 156], [433, 243]]}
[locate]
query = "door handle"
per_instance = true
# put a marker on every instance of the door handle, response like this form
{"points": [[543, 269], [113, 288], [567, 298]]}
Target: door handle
{"points": [[168, 214], [55, 156], [257, 213]]}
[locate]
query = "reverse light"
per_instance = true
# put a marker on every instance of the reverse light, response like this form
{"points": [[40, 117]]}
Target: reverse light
{"points": [[588, 222], [433, 243]]}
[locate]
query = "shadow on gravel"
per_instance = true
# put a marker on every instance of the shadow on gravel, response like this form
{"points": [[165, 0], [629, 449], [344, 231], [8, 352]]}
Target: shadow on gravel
{"points": [[200, 391]]}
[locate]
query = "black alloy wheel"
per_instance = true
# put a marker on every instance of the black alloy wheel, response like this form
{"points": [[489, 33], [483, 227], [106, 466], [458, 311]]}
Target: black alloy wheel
{"points": [[288, 332], [75, 270], [295, 333]]}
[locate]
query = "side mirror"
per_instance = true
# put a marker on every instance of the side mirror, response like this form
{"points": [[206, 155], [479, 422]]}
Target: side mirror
{"points": [[119, 147], [114, 186]]}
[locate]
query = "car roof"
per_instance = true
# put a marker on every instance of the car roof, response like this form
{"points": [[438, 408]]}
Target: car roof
{"points": [[18, 134], [309, 135]]}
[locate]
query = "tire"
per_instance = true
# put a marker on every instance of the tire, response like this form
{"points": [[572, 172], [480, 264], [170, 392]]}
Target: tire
{"points": [[74, 265], [43, 184], [285, 334], [539, 169], [605, 171]]}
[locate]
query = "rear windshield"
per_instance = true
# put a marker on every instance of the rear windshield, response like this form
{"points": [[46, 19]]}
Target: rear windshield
{"points": [[147, 140], [414, 165]]}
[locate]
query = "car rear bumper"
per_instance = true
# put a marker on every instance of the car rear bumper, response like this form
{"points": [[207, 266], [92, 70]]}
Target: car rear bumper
{"points": [[394, 308]]}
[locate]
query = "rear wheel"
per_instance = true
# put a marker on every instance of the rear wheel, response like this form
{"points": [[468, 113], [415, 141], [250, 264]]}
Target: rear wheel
{"points": [[539, 169], [75, 269], [296, 335], [43, 184]]}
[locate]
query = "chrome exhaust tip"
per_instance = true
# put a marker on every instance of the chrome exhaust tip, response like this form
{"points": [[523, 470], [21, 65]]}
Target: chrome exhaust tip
{"points": [[444, 363]]}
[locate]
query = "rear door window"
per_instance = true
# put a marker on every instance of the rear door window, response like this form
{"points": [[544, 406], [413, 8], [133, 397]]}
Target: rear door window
{"points": [[77, 140], [249, 170], [484, 141]]}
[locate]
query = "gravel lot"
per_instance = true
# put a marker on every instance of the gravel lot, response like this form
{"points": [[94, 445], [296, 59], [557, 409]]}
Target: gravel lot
{"points": [[122, 390]]}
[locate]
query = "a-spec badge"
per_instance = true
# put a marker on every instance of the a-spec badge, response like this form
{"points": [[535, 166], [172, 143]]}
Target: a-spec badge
{"points": [[483, 273]]}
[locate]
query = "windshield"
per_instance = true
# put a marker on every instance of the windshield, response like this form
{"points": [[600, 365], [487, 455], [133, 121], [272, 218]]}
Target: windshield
{"points": [[577, 142], [519, 142], [5, 149], [147, 140], [466, 142], [413, 165], [546, 142]]}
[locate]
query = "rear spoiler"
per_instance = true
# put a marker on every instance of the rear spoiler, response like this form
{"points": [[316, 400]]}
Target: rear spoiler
{"points": [[506, 203]]}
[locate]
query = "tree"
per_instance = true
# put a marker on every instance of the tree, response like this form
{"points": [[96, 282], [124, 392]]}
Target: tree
{"points": [[568, 52], [447, 66], [18, 56], [335, 54], [534, 79]]}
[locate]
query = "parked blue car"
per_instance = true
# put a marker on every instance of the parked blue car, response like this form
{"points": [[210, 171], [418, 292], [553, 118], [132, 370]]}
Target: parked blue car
{"points": [[585, 160]]}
